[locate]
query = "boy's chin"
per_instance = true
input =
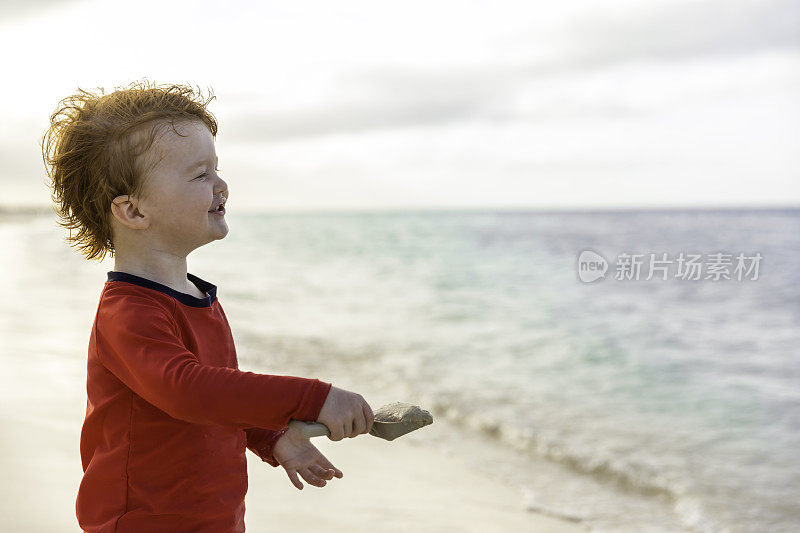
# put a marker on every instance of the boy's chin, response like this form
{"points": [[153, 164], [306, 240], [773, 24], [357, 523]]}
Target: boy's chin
{"points": [[223, 233], [219, 235], [220, 229]]}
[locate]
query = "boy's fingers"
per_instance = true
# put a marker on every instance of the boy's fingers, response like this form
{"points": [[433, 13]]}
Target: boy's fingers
{"points": [[311, 478], [320, 472], [292, 473], [324, 463], [337, 434], [369, 416], [360, 425]]}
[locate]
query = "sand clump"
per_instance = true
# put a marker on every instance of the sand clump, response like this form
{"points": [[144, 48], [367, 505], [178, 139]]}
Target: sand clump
{"points": [[403, 412]]}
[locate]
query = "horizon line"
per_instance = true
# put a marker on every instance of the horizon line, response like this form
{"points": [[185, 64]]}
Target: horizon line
{"points": [[33, 209]]}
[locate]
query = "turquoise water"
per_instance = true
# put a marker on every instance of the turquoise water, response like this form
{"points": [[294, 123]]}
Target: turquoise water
{"points": [[629, 405]]}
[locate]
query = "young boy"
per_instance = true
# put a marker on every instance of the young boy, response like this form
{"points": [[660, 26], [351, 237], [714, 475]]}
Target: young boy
{"points": [[169, 414]]}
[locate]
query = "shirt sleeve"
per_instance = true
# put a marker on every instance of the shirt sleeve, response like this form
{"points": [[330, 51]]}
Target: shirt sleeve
{"points": [[262, 441], [138, 342]]}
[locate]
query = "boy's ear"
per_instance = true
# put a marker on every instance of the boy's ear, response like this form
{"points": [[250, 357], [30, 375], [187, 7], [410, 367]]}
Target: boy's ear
{"points": [[125, 210]]}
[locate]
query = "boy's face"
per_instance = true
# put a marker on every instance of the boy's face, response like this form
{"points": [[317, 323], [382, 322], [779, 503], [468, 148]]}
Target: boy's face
{"points": [[182, 188]]}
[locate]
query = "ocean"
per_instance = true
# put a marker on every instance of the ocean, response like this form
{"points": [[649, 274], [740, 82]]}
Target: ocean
{"points": [[627, 404]]}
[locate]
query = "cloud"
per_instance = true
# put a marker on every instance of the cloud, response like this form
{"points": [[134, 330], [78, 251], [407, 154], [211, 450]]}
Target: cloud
{"points": [[340, 118], [681, 29], [593, 39], [13, 10], [381, 98]]}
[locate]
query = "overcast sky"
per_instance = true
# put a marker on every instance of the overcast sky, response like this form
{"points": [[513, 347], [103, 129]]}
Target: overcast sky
{"points": [[373, 105]]}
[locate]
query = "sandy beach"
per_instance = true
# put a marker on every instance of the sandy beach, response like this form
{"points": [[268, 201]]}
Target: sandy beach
{"points": [[403, 485], [390, 486]]}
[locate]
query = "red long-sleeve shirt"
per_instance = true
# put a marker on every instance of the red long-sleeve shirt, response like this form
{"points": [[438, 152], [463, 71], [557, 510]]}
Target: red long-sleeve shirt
{"points": [[169, 415]]}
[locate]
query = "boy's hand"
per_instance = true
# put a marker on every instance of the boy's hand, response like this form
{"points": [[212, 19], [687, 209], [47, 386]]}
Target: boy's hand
{"points": [[297, 455], [346, 414]]}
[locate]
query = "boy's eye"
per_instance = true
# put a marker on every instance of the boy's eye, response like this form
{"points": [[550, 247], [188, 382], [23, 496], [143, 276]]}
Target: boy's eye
{"points": [[204, 174]]}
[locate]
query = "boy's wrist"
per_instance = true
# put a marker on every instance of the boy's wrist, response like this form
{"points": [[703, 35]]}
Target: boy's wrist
{"points": [[267, 452]]}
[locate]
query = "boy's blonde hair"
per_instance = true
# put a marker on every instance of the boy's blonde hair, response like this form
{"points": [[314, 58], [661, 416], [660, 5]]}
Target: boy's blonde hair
{"points": [[93, 152]]}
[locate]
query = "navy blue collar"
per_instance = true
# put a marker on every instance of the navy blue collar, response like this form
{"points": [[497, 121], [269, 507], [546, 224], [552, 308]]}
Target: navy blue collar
{"points": [[187, 299]]}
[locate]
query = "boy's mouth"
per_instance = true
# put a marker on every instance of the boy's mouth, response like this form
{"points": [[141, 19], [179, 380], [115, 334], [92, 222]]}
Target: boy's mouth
{"points": [[220, 210]]}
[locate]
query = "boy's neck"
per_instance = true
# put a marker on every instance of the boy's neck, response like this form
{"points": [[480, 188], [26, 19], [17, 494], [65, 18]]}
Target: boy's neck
{"points": [[166, 269]]}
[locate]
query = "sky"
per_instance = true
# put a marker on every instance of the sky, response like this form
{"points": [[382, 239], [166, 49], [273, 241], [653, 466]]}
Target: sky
{"points": [[438, 105]]}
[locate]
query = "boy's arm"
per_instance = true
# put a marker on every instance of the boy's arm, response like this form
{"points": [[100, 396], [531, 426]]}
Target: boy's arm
{"points": [[137, 341], [262, 441]]}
